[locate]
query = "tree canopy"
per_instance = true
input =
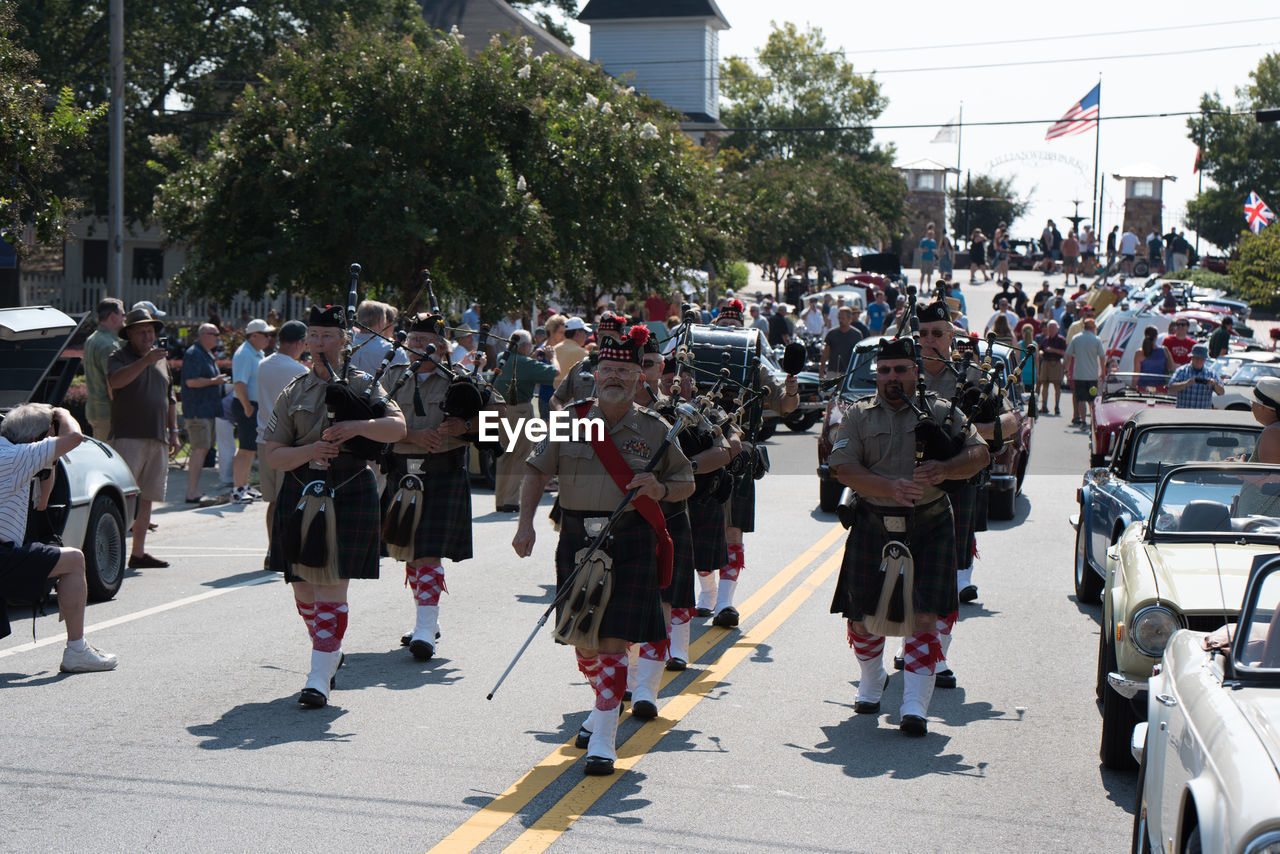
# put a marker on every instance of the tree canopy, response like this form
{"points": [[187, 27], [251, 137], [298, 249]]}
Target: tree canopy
{"points": [[1238, 154], [35, 125], [989, 201], [568, 8], [1256, 271], [506, 175]]}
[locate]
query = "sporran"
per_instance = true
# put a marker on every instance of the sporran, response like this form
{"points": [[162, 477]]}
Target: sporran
{"points": [[894, 615]]}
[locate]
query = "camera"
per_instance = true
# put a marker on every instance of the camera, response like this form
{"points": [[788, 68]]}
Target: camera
{"points": [[1202, 381], [162, 343]]}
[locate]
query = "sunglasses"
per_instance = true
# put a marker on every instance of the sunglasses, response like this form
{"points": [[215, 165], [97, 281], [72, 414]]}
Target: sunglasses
{"points": [[652, 363], [885, 370], [934, 333]]}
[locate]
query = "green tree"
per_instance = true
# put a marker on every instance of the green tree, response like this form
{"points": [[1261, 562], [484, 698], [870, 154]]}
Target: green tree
{"points": [[1256, 271], [1237, 153], [548, 21], [545, 173], [802, 83], [989, 201], [184, 63], [34, 126]]}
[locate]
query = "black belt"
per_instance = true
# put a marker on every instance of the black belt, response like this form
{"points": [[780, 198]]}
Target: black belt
{"points": [[438, 463], [573, 521], [920, 514]]}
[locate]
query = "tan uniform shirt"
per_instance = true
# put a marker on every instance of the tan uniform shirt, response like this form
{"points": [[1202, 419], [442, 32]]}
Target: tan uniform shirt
{"points": [[585, 485], [578, 384], [431, 389], [884, 441], [300, 415]]}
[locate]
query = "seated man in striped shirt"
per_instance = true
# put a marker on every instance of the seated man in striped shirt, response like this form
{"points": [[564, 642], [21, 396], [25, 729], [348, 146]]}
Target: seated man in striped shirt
{"points": [[32, 438]]}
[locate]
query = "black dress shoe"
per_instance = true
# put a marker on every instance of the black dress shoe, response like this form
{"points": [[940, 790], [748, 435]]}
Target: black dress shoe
{"points": [[312, 699], [914, 725], [509, 508], [969, 593], [644, 710], [598, 766], [702, 612], [583, 739], [944, 679], [727, 618], [898, 663], [866, 707], [676, 664], [146, 561], [422, 650], [408, 636]]}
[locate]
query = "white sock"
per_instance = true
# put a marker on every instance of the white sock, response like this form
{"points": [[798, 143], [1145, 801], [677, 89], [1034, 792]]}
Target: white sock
{"points": [[78, 645], [724, 595], [604, 734], [648, 676], [871, 682], [428, 623], [944, 641], [707, 593], [680, 641], [964, 577], [917, 691]]}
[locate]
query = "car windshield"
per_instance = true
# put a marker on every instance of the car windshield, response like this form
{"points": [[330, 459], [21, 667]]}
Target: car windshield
{"points": [[1226, 366], [1261, 627], [1251, 373], [1219, 501], [1161, 449], [861, 378]]}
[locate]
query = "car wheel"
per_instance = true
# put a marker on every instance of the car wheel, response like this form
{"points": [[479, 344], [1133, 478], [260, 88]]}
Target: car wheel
{"points": [[1141, 840], [1118, 721], [104, 546], [980, 509], [798, 422], [1141, 268], [829, 492], [1088, 582], [1193, 842], [1002, 504]]}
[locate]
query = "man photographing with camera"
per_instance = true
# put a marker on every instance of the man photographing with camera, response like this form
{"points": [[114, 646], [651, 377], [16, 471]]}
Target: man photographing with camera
{"points": [[32, 438], [144, 419], [1195, 383]]}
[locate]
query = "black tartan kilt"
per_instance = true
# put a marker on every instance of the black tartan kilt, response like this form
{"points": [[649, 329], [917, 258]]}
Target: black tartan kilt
{"points": [[634, 612], [933, 549], [680, 593], [742, 504], [964, 505], [359, 517], [445, 528], [710, 549]]}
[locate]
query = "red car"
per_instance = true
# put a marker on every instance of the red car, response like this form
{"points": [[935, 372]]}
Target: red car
{"points": [[1119, 398]]}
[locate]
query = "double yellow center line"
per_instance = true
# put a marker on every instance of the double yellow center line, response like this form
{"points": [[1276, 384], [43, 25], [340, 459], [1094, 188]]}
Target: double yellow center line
{"points": [[549, 827]]}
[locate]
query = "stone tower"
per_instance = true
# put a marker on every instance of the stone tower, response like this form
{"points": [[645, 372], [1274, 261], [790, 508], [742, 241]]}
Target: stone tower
{"points": [[926, 203], [1143, 198]]}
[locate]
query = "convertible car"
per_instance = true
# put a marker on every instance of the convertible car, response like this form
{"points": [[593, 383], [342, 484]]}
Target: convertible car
{"points": [[94, 497], [1183, 567], [1210, 745], [1118, 492]]}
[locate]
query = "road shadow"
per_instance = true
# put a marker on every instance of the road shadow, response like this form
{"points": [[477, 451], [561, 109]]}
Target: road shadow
{"points": [[1021, 510], [1093, 612], [495, 516], [262, 576], [395, 670], [682, 741], [1121, 786], [868, 746], [21, 680], [254, 726], [569, 725], [543, 598], [822, 515], [761, 653], [620, 802], [975, 609]]}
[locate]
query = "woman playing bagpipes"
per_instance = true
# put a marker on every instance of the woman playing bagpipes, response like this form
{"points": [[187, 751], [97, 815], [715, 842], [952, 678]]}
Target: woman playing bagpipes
{"points": [[326, 426]]}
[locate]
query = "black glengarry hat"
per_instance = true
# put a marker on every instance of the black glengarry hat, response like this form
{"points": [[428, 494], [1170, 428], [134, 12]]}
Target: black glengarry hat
{"points": [[898, 348], [331, 316]]}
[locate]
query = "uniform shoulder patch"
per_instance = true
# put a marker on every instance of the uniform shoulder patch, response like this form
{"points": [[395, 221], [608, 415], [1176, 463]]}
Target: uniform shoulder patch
{"points": [[580, 401], [540, 448], [840, 443]]}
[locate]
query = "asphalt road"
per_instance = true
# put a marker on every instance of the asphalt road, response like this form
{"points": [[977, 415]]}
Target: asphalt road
{"points": [[196, 741]]}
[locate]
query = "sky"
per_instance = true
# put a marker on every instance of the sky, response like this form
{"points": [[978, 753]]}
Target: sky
{"points": [[1175, 67]]}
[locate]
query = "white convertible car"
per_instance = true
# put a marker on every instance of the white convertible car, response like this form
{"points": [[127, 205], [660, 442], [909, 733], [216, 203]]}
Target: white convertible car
{"points": [[1210, 747], [95, 496]]}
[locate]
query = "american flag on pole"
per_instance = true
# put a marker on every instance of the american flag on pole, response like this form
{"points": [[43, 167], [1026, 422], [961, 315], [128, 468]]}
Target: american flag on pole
{"points": [[1082, 116], [1257, 214]]}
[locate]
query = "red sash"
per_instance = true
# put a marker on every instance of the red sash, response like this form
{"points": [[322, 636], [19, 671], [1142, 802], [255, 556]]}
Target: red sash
{"points": [[621, 473]]}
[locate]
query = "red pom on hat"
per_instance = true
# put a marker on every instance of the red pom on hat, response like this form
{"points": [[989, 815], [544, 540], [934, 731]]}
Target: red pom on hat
{"points": [[736, 305], [639, 334]]}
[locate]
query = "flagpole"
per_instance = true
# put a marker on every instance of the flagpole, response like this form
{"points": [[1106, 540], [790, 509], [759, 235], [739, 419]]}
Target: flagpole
{"points": [[959, 141], [1097, 137]]}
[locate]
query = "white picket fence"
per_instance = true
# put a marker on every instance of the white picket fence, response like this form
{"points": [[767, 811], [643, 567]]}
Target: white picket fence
{"points": [[75, 296]]}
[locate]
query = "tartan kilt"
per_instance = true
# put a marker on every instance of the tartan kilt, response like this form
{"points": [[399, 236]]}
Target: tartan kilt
{"points": [[359, 518], [445, 528], [634, 612], [964, 506], [741, 506], [710, 549], [933, 550], [680, 593]]}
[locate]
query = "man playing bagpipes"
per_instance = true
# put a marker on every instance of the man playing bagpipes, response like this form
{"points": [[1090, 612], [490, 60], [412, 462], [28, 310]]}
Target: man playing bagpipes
{"points": [[580, 382], [899, 569], [740, 510], [429, 518], [326, 426], [624, 605]]}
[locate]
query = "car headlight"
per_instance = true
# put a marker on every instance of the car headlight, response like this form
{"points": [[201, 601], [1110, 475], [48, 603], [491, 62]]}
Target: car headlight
{"points": [[1151, 629], [1268, 843]]}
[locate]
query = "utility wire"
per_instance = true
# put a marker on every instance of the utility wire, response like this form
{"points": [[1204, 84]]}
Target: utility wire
{"points": [[1003, 123]]}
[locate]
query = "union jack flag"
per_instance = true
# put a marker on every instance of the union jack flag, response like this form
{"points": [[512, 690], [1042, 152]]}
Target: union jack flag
{"points": [[1120, 340], [1082, 116], [1257, 214]]}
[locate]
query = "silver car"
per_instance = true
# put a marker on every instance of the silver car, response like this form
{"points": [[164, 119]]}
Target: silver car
{"points": [[94, 496]]}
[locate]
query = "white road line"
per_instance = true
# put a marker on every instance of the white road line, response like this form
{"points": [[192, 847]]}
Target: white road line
{"points": [[147, 612]]}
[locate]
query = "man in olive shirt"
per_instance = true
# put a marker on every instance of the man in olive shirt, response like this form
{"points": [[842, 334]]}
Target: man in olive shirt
{"points": [[1220, 340], [527, 373], [143, 415], [97, 350]]}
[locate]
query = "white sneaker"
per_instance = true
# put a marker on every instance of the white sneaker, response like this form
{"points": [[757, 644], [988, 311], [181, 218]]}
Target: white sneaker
{"points": [[241, 496], [87, 660], [253, 491]]}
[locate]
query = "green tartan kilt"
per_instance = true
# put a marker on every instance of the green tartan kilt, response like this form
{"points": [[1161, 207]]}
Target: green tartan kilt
{"points": [[445, 528], [742, 504], [933, 550], [680, 593], [964, 505], [710, 549], [359, 518], [634, 612]]}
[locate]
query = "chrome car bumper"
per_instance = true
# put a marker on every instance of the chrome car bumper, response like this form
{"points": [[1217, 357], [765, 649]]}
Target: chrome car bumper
{"points": [[1138, 742], [1127, 688]]}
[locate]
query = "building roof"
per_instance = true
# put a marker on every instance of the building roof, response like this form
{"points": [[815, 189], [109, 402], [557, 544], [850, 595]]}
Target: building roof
{"points": [[615, 10], [480, 20], [1143, 170], [926, 164]]}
